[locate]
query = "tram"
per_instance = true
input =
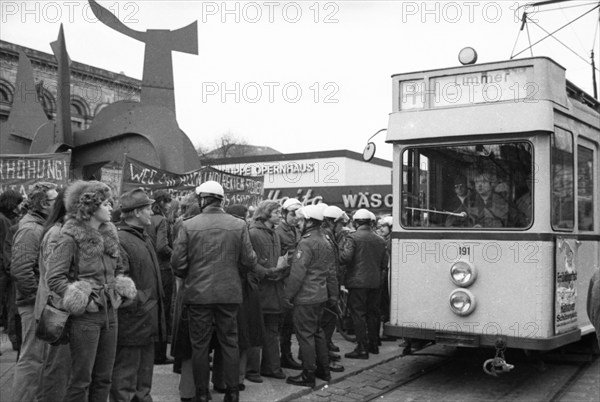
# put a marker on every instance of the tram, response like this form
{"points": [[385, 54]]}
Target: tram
{"points": [[496, 205]]}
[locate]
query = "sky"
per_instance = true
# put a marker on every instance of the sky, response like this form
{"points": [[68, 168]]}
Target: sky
{"points": [[304, 76]]}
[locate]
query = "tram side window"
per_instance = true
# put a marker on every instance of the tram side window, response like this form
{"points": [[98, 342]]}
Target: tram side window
{"points": [[563, 198], [585, 188], [485, 185]]}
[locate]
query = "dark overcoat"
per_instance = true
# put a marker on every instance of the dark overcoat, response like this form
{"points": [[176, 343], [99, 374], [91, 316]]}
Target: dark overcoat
{"points": [[142, 321]]}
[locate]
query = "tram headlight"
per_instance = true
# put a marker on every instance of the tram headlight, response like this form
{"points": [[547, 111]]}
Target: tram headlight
{"points": [[463, 274], [462, 302]]}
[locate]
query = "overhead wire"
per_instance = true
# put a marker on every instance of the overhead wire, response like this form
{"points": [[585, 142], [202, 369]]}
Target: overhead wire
{"points": [[551, 34], [556, 39], [565, 7]]}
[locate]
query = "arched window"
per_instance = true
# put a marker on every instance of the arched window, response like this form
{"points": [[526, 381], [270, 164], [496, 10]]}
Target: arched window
{"points": [[80, 115], [48, 102], [6, 98]]}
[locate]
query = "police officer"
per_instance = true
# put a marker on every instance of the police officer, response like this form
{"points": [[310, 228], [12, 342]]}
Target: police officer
{"points": [[333, 223], [310, 285], [209, 251], [365, 255], [289, 236]]}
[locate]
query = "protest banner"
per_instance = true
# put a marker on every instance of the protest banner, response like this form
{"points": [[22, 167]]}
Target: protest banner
{"points": [[239, 189], [21, 172]]}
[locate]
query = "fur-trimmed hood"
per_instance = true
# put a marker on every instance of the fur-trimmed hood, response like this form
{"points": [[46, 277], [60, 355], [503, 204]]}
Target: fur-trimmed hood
{"points": [[91, 242]]}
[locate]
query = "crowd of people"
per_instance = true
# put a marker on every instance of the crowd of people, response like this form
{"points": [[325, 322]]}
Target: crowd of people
{"points": [[228, 286]]}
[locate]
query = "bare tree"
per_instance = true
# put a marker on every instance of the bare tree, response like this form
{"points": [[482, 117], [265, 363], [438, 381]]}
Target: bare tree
{"points": [[227, 146]]}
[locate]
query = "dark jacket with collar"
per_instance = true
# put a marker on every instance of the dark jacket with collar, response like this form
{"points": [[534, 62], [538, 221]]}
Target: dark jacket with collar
{"points": [[289, 237], [267, 246], [143, 321], [366, 258], [208, 252], [312, 279], [24, 268], [160, 232]]}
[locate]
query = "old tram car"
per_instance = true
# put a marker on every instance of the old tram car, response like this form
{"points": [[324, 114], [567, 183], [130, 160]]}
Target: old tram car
{"points": [[496, 189]]}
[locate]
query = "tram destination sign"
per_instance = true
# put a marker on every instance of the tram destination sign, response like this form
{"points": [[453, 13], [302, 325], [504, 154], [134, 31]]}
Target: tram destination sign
{"points": [[509, 84]]}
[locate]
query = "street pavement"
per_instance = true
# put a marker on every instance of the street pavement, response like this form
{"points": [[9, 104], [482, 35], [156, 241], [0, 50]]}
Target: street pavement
{"points": [[165, 382], [362, 379]]}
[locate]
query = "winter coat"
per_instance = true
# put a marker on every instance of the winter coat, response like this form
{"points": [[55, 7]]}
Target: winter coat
{"points": [[95, 253], [160, 233], [47, 246], [208, 253], [5, 238], [288, 236], [143, 321], [24, 268], [366, 258], [267, 247], [312, 279]]}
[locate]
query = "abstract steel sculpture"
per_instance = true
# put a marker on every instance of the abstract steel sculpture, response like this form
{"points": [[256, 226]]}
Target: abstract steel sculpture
{"points": [[145, 130]]}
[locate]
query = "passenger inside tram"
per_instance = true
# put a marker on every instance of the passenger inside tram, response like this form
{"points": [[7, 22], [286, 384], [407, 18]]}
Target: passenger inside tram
{"points": [[490, 209], [469, 186]]}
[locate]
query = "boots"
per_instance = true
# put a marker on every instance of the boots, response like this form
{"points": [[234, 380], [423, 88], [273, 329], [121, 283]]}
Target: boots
{"points": [[334, 357], [374, 348], [305, 379], [287, 361], [232, 396], [323, 374], [202, 395], [331, 346], [358, 353]]}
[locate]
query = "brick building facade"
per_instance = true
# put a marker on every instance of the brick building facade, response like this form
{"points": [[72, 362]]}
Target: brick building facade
{"points": [[92, 88]]}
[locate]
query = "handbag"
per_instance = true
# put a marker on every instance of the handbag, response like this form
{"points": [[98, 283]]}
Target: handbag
{"points": [[53, 325]]}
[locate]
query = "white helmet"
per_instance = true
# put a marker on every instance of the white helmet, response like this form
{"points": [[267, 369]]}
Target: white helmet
{"points": [[335, 213], [386, 220], [373, 217], [291, 204], [210, 189], [310, 212], [362, 215]]}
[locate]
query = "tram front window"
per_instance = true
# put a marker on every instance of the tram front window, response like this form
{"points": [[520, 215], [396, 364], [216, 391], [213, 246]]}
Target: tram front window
{"points": [[485, 185]]}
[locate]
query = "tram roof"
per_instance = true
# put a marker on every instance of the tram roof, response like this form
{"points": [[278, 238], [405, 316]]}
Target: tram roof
{"points": [[489, 98]]}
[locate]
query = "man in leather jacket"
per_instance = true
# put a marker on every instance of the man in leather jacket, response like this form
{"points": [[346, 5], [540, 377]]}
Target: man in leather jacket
{"points": [[209, 250]]}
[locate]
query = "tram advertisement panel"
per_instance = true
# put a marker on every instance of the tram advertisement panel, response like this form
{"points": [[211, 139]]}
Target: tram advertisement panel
{"points": [[239, 189], [565, 318], [21, 172]]}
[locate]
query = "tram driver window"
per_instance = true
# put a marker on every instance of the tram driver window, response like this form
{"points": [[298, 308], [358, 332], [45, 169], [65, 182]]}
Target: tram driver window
{"points": [[481, 186]]}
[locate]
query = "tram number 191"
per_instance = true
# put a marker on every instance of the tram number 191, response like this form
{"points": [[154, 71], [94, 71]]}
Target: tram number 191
{"points": [[464, 251]]}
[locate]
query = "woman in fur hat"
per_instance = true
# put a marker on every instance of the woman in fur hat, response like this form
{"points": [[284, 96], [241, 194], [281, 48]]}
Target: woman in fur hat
{"points": [[82, 271]]}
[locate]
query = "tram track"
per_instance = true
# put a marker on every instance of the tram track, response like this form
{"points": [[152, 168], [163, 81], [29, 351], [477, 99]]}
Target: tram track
{"points": [[529, 381]]}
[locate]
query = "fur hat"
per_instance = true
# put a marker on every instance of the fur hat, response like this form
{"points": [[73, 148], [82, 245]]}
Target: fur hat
{"points": [[77, 297], [82, 198]]}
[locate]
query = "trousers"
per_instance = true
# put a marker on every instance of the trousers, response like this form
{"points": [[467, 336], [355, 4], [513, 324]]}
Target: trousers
{"points": [[201, 318]]}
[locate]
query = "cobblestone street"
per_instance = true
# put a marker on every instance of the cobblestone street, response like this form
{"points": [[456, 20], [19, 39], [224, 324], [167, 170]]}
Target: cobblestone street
{"points": [[430, 374]]}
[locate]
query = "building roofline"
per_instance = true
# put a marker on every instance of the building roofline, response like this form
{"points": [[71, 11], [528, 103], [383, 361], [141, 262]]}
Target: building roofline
{"points": [[340, 153], [77, 68]]}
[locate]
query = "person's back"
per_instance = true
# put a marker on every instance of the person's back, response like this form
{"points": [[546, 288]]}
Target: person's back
{"points": [[207, 255], [364, 254]]}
